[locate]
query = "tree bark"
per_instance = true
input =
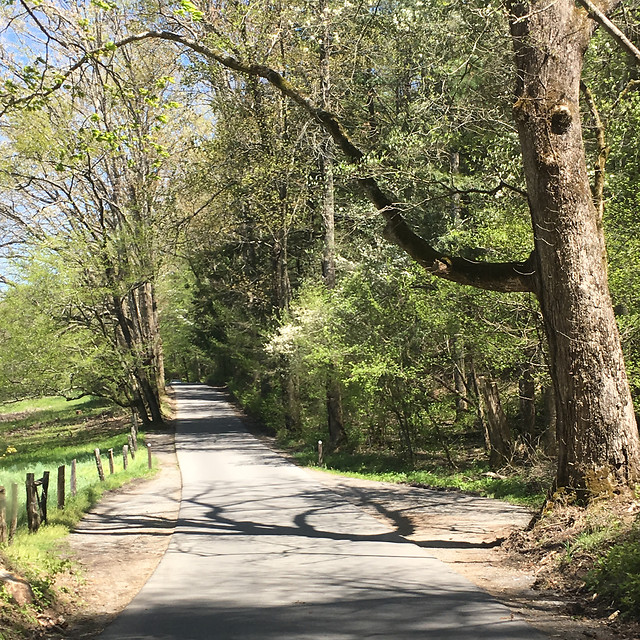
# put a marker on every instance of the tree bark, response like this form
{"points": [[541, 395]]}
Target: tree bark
{"points": [[290, 389], [459, 375], [527, 389], [549, 439], [337, 434], [498, 432], [596, 422], [482, 418]]}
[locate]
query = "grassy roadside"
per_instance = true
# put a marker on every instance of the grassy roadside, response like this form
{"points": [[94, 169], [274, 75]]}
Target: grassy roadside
{"points": [[526, 487], [42, 435]]}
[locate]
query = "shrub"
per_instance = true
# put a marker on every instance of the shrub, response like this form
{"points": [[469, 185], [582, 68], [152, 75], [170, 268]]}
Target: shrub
{"points": [[616, 576]]}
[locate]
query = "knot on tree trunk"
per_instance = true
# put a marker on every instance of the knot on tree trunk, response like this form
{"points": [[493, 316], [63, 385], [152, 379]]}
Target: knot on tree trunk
{"points": [[561, 119]]}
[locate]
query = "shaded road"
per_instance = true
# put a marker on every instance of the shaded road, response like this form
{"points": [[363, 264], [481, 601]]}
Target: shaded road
{"points": [[264, 552]]}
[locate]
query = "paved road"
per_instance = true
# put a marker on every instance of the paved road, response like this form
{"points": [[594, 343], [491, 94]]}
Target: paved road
{"points": [[264, 552]]}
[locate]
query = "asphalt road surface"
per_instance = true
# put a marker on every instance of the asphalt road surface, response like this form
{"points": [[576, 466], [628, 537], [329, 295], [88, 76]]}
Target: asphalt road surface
{"points": [[264, 552]]}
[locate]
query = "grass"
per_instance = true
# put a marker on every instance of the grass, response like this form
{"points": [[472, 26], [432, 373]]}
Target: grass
{"points": [[42, 435], [50, 429], [45, 434], [523, 487], [616, 574]]}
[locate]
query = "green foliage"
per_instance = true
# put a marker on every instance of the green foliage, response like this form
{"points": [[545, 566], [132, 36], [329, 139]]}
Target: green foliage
{"points": [[41, 435], [184, 355], [386, 333], [616, 576], [58, 351]]}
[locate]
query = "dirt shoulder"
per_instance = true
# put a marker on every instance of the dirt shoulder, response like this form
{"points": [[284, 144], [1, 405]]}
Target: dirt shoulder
{"points": [[119, 544]]}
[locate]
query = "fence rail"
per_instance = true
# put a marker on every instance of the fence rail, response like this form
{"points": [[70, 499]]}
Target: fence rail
{"points": [[38, 490]]}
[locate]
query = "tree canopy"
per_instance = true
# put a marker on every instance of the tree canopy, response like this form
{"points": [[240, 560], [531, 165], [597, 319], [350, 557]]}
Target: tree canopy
{"points": [[178, 163]]}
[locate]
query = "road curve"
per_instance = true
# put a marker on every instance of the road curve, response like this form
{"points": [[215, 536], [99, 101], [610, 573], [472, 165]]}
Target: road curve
{"points": [[263, 552]]}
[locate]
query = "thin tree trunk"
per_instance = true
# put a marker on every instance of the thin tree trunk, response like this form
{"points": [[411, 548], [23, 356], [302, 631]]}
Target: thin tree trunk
{"points": [[482, 418], [337, 433], [499, 434], [454, 164], [334, 411], [293, 420], [527, 402], [459, 375]]}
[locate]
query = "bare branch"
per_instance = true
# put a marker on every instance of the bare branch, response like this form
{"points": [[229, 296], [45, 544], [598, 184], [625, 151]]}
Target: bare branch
{"points": [[603, 151], [487, 192], [601, 18]]}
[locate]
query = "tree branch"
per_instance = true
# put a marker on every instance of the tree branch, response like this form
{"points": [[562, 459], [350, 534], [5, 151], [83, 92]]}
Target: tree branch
{"points": [[601, 18], [453, 190], [505, 276]]}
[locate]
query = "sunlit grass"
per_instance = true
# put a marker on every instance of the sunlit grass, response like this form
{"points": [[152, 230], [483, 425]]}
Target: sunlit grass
{"points": [[474, 477], [51, 429], [42, 435]]}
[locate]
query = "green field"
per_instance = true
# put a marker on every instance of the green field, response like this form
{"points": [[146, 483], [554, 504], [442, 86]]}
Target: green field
{"points": [[41, 435]]}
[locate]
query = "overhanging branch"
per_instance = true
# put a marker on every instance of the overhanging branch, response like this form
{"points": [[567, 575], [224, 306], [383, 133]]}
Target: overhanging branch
{"points": [[505, 276]]}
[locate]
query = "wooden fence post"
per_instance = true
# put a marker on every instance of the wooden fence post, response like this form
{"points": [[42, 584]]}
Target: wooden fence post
{"points": [[96, 453], [149, 455], [132, 449], [33, 513], [320, 454], [3, 515], [111, 465], [134, 439], [125, 457], [72, 479], [61, 486], [13, 510], [134, 421], [44, 496]]}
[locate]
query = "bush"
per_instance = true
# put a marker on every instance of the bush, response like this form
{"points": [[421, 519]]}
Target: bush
{"points": [[616, 576]]}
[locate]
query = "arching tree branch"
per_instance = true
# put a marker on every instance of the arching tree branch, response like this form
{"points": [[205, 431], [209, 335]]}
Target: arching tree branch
{"points": [[504, 276]]}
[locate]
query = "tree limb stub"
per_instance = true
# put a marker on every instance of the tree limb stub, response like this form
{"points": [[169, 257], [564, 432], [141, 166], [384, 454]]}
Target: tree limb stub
{"points": [[504, 277]]}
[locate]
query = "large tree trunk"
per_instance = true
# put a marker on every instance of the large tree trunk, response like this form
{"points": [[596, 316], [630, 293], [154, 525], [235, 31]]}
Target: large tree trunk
{"points": [[149, 333], [596, 425]]}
